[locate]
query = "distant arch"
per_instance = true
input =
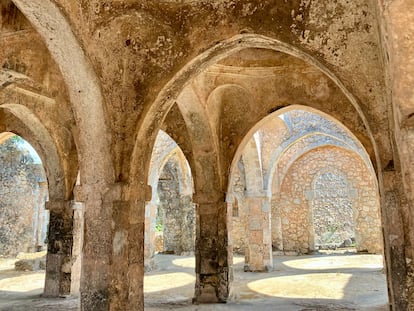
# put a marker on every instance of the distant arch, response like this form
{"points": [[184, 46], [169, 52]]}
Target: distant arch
{"points": [[39, 137]]}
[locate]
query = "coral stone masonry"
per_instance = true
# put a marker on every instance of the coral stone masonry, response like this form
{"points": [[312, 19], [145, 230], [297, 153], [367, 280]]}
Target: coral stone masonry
{"points": [[207, 127], [23, 193]]}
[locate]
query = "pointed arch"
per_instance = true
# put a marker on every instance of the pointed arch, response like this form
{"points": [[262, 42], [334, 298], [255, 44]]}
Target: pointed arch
{"points": [[82, 84], [39, 137]]}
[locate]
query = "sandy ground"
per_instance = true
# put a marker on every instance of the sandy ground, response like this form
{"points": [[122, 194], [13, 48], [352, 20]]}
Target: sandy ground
{"points": [[305, 283]]}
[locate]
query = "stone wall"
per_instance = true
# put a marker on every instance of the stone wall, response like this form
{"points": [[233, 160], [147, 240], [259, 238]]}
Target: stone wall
{"points": [[23, 192], [331, 200], [297, 197], [329, 205], [176, 213], [239, 212]]}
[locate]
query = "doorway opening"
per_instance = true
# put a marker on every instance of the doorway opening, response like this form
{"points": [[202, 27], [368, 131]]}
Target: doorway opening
{"points": [[24, 219], [307, 209], [170, 227]]}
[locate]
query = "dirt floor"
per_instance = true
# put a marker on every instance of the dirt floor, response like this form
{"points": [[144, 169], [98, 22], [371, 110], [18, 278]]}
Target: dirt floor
{"points": [[305, 283]]}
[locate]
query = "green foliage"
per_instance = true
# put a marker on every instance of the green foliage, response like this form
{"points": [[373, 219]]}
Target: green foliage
{"points": [[17, 139], [329, 235], [159, 227]]}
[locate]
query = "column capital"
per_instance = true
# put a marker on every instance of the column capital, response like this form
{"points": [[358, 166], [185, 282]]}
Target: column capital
{"points": [[262, 194], [230, 197], [114, 192], [107, 192], [211, 197], [77, 206], [57, 205]]}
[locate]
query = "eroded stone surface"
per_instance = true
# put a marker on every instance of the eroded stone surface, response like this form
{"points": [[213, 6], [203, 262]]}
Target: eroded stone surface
{"points": [[23, 192], [90, 83]]}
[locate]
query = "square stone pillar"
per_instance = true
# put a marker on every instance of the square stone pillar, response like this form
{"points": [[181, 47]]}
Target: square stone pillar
{"points": [[59, 249], [122, 238], [135, 290], [104, 274], [393, 206], [43, 217], [211, 249], [230, 238], [276, 223], [259, 236], [149, 239], [97, 247], [77, 248]]}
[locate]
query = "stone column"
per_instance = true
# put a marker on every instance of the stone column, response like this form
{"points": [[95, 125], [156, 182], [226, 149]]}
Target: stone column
{"points": [[259, 236], [77, 248], [104, 277], [229, 202], [276, 224], [394, 250], [43, 216], [399, 218], [121, 256], [59, 249], [135, 255], [211, 249], [187, 209], [94, 284], [40, 217], [149, 239]]}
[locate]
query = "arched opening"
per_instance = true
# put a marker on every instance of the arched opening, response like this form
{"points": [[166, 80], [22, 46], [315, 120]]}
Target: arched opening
{"points": [[23, 216], [330, 190], [176, 212], [215, 124], [170, 224], [75, 91], [307, 189], [34, 105], [238, 96], [220, 104], [21, 120]]}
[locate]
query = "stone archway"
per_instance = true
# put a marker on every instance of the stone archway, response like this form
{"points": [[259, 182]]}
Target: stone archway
{"points": [[178, 191], [38, 136], [22, 121], [290, 167], [196, 115], [150, 61], [176, 212], [23, 193], [354, 204], [97, 190], [290, 174]]}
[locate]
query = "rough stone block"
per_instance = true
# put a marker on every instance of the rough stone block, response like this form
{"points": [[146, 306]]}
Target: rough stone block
{"points": [[255, 224], [256, 237]]}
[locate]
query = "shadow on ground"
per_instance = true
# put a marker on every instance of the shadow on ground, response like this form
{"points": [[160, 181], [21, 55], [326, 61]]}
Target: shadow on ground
{"points": [[297, 283]]}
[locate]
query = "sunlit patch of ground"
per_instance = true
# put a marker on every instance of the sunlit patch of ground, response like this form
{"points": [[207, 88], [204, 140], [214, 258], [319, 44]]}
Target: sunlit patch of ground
{"points": [[297, 283], [166, 281], [238, 260], [186, 262], [337, 262], [7, 263], [20, 283], [320, 286]]}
